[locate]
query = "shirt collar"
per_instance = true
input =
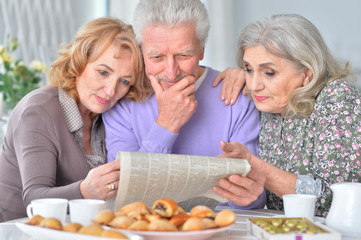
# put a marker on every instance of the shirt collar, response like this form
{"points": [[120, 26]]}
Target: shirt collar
{"points": [[201, 78], [71, 111]]}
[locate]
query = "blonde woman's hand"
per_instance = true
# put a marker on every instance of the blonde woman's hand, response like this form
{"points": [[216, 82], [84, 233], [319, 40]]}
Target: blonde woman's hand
{"points": [[233, 82], [101, 182]]}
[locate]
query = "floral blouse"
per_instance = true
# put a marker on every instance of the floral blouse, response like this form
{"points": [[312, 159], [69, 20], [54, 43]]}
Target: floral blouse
{"points": [[327, 144]]}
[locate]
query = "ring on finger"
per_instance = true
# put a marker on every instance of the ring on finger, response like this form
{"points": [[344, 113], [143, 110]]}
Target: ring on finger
{"points": [[111, 186]]}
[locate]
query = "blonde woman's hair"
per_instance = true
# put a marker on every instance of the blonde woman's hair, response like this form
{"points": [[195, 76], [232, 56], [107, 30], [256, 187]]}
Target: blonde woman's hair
{"points": [[294, 38], [90, 42]]}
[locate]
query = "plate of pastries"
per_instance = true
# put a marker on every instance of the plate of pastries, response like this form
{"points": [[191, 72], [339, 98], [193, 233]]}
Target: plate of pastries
{"points": [[39, 227], [166, 220]]}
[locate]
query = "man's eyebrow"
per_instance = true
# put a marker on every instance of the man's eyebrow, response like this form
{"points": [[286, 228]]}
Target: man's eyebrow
{"points": [[154, 53], [185, 51]]}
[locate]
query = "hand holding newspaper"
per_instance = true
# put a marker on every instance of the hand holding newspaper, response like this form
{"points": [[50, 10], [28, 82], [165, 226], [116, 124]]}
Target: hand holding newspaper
{"points": [[186, 179]]}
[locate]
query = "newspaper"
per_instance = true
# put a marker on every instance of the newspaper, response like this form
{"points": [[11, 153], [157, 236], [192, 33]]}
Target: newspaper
{"points": [[186, 179]]}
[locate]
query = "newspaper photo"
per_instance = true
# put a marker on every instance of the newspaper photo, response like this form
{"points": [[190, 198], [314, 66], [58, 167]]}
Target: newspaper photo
{"points": [[186, 179]]}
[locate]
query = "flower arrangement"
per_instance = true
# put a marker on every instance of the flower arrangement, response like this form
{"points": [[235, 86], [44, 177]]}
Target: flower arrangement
{"points": [[17, 79]]}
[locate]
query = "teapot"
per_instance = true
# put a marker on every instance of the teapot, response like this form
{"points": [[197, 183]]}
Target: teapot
{"points": [[345, 212]]}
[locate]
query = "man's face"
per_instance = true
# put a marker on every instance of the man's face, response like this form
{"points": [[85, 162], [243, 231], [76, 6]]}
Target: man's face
{"points": [[171, 53]]}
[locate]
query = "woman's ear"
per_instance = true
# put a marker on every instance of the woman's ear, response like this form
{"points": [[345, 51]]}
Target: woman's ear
{"points": [[308, 76]]}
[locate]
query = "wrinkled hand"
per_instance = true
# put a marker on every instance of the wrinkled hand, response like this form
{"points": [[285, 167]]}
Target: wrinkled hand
{"points": [[233, 82], [177, 104], [235, 150], [240, 190], [96, 184]]}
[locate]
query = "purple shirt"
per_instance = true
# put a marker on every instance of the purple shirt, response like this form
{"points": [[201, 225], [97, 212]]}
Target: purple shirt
{"points": [[131, 126]]}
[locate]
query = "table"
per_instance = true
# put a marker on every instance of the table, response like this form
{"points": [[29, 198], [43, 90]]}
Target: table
{"points": [[8, 230]]}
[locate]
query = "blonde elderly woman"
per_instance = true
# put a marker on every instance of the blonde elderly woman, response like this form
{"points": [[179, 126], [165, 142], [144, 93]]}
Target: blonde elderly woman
{"points": [[54, 145], [310, 135]]}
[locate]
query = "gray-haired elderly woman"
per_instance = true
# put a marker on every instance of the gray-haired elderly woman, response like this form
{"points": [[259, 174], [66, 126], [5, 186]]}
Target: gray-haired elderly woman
{"points": [[311, 114]]}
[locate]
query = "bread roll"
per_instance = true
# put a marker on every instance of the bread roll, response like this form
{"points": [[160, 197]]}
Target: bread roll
{"points": [[35, 220], [104, 217], [193, 224], [139, 226], [209, 223], [122, 222], [72, 227], [135, 206], [52, 223], [165, 207], [113, 234], [225, 217], [161, 225], [202, 212], [179, 219], [92, 229]]}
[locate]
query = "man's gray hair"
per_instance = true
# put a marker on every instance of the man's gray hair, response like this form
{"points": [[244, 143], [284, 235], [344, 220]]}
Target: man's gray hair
{"points": [[171, 13]]}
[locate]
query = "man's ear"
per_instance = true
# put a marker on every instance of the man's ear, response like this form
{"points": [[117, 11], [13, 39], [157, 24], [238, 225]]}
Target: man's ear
{"points": [[202, 54], [308, 76]]}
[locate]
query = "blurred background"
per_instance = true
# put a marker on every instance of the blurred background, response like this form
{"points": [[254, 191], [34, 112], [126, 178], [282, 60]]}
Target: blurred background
{"points": [[42, 25]]}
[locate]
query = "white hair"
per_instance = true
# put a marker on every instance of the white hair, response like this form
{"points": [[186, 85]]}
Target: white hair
{"points": [[171, 13]]}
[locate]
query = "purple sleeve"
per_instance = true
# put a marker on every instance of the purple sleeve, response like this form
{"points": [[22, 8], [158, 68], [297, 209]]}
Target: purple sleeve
{"points": [[260, 202], [120, 135]]}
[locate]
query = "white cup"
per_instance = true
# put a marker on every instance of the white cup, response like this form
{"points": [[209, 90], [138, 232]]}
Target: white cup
{"points": [[84, 210], [48, 207], [299, 205]]}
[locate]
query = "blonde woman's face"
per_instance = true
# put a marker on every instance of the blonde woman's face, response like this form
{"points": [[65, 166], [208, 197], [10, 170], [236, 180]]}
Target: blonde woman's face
{"points": [[271, 79], [105, 80]]}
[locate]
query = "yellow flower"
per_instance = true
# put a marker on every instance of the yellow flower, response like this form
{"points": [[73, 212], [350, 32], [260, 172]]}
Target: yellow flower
{"points": [[2, 49], [38, 66], [6, 57]]}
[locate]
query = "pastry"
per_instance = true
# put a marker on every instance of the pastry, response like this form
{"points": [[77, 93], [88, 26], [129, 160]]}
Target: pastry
{"points": [[202, 212], [35, 220], [104, 217], [113, 234], [52, 223], [161, 225], [138, 215], [165, 207], [139, 226], [135, 206], [193, 224], [72, 227], [209, 223], [225, 217], [92, 229], [152, 216], [122, 222], [179, 219]]}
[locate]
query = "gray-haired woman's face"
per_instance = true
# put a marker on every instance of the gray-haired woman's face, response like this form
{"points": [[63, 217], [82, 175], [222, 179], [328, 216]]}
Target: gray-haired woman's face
{"points": [[271, 79]]}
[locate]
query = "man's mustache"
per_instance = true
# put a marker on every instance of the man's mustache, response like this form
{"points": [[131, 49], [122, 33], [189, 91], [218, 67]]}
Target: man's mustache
{"points": [[166, 79]]}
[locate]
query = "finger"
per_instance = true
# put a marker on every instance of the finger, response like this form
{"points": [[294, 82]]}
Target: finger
{"points": [[253, 184], [158, 89], [184, 83], [107, 168], [242, 200], [218, 79], [226, 146]]}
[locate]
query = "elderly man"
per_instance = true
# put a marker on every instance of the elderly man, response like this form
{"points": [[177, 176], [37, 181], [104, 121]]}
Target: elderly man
{"points": [[184, 115]]}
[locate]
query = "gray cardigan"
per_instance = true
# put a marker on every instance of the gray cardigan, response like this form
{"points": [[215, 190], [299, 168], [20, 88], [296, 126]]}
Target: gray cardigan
{"points": [[40, 158]]}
